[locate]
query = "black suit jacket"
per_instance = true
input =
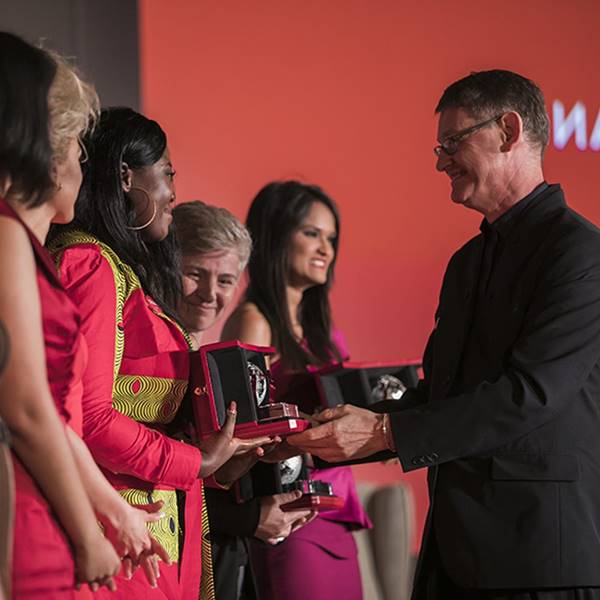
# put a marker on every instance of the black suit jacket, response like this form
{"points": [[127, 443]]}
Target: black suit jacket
{"points": [[514, 462]]}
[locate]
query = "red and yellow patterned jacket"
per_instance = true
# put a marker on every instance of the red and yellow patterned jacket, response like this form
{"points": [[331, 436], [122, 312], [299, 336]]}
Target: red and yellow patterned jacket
{"points": [[135, 381]]}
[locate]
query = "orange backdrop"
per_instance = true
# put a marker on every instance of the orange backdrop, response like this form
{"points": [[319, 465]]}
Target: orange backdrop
{"points": [[341, 93]]}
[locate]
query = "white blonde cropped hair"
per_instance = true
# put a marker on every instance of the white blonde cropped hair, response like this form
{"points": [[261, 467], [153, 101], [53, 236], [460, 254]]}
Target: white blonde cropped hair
{"points": [[73, 107], [202, 228]]}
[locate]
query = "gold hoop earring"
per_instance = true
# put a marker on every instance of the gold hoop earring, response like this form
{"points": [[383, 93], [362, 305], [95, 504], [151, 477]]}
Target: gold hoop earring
{"points": [[140, 227]]}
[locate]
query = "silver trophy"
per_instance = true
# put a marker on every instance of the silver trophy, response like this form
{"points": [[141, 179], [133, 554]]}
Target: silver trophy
{"points": [[387, 387], [258, 382], [289, 469]]}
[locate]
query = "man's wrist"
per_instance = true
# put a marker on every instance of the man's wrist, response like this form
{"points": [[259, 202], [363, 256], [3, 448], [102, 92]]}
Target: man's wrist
{"points": [[388, 436]]}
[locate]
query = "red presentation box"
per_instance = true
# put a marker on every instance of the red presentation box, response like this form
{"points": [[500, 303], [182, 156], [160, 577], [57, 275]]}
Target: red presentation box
{"points": [[316, 498], [359, 383], [227, 371], [267, 479]]}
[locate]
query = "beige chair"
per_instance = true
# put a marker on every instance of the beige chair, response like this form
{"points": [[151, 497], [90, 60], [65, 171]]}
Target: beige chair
{"points": [[385, 552]]}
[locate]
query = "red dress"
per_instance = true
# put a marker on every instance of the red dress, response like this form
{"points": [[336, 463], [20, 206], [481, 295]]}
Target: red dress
{"points": [[42, 560], [133, 386]]}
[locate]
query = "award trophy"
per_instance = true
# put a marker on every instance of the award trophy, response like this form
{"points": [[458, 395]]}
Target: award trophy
{"points": [[227, 371], [267, 479], [375, 386], [360, 384]]}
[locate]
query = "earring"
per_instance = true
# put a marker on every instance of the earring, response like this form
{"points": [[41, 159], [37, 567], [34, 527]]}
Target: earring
{"points": [[140, 227], [58, 186]]}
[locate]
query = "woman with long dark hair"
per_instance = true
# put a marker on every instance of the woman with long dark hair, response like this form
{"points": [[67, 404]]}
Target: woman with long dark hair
{"points": [[119, 262], [44, 108], [295, 233]]}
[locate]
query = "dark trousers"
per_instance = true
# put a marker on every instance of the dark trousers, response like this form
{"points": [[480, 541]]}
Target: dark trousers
{"points": [[433, 583]]}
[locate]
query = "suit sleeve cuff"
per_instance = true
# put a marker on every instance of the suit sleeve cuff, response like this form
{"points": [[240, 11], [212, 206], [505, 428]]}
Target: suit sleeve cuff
{"points": [[411, 448]]}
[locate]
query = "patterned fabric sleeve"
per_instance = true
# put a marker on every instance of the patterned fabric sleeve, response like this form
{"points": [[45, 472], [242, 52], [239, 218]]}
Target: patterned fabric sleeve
{"points": [[117, 442]]}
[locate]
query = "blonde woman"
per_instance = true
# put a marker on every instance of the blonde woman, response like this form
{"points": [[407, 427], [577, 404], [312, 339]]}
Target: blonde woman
{"points": [[60, 493]]}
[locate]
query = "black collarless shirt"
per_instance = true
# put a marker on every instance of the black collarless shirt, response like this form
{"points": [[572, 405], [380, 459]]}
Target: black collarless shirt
{"points": [[478, 352]]}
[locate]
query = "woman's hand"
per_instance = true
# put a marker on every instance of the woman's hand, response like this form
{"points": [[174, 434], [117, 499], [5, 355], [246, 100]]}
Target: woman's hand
{"points": [[280, 452], [96, 563], [240, 464], [274, 524], [127, 529], [221, 446], [148, 561]]}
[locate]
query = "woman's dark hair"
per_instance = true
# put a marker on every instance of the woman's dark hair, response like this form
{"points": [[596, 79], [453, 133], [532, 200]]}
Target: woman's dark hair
{"points": [[275, 213], [103, 209], [26, 75]]}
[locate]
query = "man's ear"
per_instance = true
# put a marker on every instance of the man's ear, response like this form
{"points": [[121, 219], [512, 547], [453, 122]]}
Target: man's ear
{"points": [[511, 125], [126, 177]]}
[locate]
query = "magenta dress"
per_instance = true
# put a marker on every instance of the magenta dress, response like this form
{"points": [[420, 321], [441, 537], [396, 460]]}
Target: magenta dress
{"points": [[319, 561]]}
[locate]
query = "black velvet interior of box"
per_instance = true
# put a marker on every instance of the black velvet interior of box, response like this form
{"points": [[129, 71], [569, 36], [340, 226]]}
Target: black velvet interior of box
{"points": [[301, 390], [353, 386], [228, 370], [265, 479], [346, 386], [333, 392]]}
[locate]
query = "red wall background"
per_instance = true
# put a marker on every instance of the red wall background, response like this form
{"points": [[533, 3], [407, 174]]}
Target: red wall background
{"points": [[341, 93]]}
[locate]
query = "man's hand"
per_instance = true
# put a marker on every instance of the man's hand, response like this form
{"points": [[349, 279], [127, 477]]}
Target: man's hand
{"points": [[346, 432], [274, 524]]}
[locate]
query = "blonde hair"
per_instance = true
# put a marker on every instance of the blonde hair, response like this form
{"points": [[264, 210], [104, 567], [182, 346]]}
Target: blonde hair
{"points": [[202, 228], [73, 107]]}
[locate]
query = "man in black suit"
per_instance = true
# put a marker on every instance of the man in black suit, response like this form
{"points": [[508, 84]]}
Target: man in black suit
{"points": [[507, 417]]}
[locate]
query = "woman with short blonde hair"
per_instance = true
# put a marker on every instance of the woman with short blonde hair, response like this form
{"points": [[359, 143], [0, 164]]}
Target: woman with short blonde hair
{"points": [[203, 228]]}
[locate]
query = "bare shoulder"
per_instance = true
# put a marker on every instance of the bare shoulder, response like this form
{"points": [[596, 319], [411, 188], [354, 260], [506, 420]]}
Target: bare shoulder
{"points": [[15, 248], [12, 232], [248, 325]]}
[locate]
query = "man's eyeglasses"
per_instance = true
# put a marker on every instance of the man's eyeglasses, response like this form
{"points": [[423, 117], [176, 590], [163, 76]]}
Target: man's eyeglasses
{"points": [[450, 144]]}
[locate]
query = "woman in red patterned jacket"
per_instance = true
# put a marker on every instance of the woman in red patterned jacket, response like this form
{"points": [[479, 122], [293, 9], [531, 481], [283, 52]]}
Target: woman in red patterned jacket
{"points": [[119, 264]]}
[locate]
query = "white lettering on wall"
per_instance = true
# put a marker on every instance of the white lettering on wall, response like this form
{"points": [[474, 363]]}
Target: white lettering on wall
{"points": [[574, 123], [595, 137]]}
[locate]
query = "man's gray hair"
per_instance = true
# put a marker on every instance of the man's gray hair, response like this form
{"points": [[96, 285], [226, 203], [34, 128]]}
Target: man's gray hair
{"points": [[485, 94]]}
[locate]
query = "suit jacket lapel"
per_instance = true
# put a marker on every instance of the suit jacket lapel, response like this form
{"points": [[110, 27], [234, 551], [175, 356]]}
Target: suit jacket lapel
{"points": [[455, 317]]}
